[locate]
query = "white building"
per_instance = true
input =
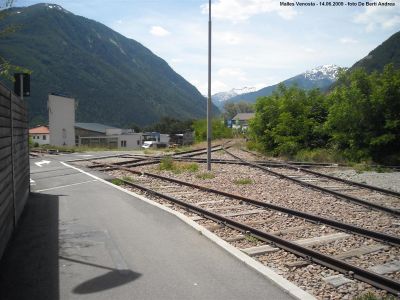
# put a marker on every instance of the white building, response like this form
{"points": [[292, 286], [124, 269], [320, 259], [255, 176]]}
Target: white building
{"points": [[61, 120], [40, 135], [122, 138]]}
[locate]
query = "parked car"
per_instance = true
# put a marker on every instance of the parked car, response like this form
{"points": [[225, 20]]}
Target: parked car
{"points": [[153, 144]]}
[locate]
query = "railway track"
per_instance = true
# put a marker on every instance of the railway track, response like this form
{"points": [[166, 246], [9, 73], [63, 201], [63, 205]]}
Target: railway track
{"points": [[366, 195], [259, 220], [143, 160]]}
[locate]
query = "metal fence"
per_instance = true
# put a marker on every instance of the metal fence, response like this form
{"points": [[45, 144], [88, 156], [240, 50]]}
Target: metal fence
{"points": [[14, 162]]}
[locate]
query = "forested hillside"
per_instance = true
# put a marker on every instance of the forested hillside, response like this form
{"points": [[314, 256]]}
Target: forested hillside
{"points": [[386, 53], [115, 80]]}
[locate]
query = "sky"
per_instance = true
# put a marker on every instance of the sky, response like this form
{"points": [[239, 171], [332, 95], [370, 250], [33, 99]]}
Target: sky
{"points": [[255, 43]]}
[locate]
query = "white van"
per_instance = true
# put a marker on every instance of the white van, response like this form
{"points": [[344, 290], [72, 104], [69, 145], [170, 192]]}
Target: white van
{"points": [[153, 144], [148, 144]]}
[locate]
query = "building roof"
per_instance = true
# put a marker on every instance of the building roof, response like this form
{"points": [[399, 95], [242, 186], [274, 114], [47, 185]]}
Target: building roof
{"points": [[243, 116], [39, 130], [94, 127]]}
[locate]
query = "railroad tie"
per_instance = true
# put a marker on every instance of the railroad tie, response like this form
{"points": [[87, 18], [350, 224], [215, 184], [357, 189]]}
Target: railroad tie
{"points": [[386, 268], [361, 251], [234, 214], [210, 202], [280, 232], [259, 250]]}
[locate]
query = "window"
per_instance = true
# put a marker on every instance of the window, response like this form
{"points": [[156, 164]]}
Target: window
{"points": [[123, 143], [37, 137], [44, 137], [138, 142], [33, 137]]}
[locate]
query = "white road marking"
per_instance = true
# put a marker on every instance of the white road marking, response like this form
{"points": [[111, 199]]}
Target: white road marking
{"points": [[43, 162], [63, 186], [32, 182], [84, 155]]}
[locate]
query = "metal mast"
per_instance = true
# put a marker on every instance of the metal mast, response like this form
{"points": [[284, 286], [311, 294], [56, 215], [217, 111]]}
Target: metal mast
{"points": [[209, 91]]}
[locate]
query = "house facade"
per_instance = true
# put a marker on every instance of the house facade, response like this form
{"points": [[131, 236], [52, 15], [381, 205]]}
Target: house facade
{"points": [[40, 135], [241, 121]]}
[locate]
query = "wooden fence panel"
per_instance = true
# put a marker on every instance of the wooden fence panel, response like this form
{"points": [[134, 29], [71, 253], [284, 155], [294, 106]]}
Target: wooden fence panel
{"points": [[14, 163]]}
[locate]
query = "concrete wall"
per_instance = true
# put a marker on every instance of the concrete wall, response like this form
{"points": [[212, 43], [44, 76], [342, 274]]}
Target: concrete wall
{"points": [[164, 138], [132, 141], [61, 120], [38, 138], [14, 162]]}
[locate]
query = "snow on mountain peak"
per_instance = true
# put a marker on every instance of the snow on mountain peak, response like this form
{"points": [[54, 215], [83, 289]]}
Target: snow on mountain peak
{"points": [[223, 96], [323, 72]]}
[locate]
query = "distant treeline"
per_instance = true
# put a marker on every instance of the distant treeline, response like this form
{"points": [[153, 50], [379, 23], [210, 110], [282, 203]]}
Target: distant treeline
{"points": [[174, 126], [358, 119]]}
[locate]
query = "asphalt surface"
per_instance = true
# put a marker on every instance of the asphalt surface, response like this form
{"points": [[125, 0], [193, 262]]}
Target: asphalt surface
{"points": [[79, 238]]}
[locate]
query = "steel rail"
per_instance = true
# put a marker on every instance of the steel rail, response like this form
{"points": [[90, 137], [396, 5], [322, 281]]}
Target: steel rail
{"points": [[94, 158], [297, 166], [293, 162], [366, 186], [350, 270], [397, 168], [143, 157], [192, 159], [325, 190], [393, 240], [144, 163], [301, 166]]}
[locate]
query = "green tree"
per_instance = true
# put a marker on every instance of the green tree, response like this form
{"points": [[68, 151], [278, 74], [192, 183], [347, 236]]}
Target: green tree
{"points": [[219, 130], [232, 109], [364, 114], [289, 120], [170, 125]]}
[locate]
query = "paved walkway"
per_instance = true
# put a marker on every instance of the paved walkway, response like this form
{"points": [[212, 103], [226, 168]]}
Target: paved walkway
{"points": [[80, 238]]}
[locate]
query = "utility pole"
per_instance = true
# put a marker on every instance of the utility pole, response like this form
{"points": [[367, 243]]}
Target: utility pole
{"points": [[209, 91]]}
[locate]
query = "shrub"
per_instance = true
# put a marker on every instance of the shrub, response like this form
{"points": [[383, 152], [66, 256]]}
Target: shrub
{"points": [[117, 181], [166, 163]]}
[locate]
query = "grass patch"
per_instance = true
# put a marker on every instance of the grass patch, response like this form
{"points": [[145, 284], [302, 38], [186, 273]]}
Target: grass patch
{"points": [[243, 181], [206, 175], [372, 296], [168, 164], [117, 181], [190, 167], [251, 239], [319, 156], [361, 167]]}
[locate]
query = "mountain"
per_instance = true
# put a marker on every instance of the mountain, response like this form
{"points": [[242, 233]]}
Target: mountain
{"points": [[220, 98], [387, 52], [115, 80], [321, 77]]}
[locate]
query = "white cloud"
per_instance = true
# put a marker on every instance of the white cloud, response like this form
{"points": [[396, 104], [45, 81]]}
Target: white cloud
{"points": [[218, 85], [241, 10], [309, 50], [159, 31], [230, 72], [379, 17], [227, 37], [347, 40]]}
